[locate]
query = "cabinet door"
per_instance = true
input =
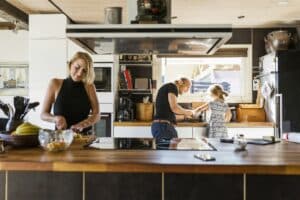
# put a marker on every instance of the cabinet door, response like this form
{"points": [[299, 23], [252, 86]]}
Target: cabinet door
{"points": [[251, 132], [199, 132], [132, 132], [184, 132]]}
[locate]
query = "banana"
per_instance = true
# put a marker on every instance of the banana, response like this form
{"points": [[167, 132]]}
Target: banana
{"points": [[27, 129]]}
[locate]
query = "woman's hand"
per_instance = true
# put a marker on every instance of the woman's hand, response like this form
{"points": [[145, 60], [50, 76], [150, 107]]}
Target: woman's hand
{"points": [[60, 122]]}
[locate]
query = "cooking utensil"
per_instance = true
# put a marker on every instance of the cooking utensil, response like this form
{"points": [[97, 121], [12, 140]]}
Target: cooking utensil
{"points": [[277, 40], [4, 108], [29, 106]]}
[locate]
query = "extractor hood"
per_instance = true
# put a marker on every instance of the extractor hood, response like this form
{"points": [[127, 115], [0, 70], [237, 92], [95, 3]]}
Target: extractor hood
{"points": [[150, 38]]}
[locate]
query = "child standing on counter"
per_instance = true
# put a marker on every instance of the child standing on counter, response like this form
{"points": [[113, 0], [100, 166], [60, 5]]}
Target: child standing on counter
{"points": [[218, 112]]}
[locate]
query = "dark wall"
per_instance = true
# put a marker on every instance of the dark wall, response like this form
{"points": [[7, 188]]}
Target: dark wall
{"points": [[256, 38]]}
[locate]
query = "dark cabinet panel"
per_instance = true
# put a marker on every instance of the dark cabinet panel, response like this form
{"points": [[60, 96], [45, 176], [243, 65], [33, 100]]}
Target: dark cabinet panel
{"points": [[203, 186], [115, 186], [241, 36], [2, 185], [44, 186], [260, 187]]}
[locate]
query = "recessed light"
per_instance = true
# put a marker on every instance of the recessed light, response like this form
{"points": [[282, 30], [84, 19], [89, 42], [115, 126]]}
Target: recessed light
{"points": [[241, 17]]}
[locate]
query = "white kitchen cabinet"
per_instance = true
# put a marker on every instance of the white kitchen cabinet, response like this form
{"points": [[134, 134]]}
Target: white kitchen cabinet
{"points": [[255, 132], [145, 132], [199, 132], [132, 132], [184, 132], [47, 26]]}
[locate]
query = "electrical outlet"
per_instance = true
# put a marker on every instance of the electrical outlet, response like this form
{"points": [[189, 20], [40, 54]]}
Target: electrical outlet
{"points": [[255, 84]]}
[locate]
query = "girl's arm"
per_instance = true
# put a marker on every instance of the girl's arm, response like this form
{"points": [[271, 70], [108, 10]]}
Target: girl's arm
{"points": [[228, 115]]}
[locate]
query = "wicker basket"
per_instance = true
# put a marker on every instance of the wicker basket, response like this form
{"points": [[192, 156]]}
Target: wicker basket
{"points": [[144, 111]]}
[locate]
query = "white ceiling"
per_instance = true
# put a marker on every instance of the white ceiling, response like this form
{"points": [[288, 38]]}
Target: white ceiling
{"points": [[258, 13]]}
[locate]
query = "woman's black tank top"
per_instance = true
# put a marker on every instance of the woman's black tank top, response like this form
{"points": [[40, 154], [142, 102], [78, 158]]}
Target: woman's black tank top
{"points": [[72, 102]]}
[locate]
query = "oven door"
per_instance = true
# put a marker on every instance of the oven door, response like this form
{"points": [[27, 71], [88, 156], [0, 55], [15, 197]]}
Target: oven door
{"points": [[104, 126]]}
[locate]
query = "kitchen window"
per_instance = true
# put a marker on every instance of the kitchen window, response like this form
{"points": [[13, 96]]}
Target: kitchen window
{"points": [[231, 68]]}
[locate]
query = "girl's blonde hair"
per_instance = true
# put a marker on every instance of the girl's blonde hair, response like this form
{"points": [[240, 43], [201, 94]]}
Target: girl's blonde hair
{"points": [[90, 74], [218, 91]]}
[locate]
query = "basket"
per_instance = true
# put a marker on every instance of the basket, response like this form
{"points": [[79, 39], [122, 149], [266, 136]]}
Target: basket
{"points": [[144, 111]]}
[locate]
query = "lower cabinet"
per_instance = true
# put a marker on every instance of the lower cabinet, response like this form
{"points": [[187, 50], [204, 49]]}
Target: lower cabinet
{"points": [[203, 186], [145, 132], [184, 132], [44, 185], [251, 132], [132, 132], [125, 186], [2, 185], [275, 187], [190, 132]]}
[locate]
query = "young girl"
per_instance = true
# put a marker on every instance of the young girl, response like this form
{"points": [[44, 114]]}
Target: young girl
{"points": [[218, 112]]}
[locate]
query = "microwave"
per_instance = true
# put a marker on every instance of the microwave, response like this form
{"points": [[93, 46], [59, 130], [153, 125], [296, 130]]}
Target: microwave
{"points": [[104, 81]]}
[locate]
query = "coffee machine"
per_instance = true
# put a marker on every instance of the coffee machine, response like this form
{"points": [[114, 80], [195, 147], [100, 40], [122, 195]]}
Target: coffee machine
{"points": [[125, 109]]}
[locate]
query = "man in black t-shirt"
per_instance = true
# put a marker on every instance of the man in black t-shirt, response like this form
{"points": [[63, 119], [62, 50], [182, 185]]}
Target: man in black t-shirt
{"points": [[166, 107]]}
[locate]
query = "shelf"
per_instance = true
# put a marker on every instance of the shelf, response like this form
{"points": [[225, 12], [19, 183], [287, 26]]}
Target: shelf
{"points": [[137, 64], [136, 91]]}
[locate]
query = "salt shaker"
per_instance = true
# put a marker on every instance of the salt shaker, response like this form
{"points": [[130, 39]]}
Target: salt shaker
{"points": [[241, 142]]}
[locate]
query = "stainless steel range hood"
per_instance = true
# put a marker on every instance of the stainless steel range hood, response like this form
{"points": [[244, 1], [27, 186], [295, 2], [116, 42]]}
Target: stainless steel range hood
{"points": [[151, 38]]}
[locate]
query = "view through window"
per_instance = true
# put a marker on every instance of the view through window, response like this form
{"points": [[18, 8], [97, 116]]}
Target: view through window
{"points": [[233, 73]]}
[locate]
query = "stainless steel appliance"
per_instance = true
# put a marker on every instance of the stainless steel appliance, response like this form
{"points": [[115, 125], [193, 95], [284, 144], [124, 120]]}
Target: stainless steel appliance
{"points": [[103, 128], [104, 84], [103, 77], [151, 38], [279, 77]]}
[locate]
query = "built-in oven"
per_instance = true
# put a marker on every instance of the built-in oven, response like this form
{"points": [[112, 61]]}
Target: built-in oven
{"points": [[103, 128], [104, 81]]}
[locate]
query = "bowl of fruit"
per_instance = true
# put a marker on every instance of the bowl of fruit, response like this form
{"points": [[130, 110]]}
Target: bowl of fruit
{"points": [[55, 141], [25, 135]]}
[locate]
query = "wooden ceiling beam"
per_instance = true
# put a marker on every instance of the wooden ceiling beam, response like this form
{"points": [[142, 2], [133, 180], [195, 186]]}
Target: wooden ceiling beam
{"points": [[7, 25], [12, 14]]}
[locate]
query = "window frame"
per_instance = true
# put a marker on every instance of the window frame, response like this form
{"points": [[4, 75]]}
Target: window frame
{"points": [[246, 97]]}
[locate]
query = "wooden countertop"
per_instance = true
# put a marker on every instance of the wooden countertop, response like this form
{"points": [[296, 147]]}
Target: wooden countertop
{"points": [[202, 124], [280, 158]]}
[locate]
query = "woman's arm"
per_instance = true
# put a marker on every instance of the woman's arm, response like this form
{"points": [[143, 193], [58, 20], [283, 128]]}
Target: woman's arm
{"points": [[177, 109], [49, 99], [94, 116]]}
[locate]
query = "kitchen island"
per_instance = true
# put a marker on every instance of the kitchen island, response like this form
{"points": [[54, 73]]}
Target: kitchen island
{"points": [[261, 172]]}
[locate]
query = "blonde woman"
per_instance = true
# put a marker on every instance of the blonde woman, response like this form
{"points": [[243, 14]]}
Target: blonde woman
{"points": [[218, 112], [74, 99], [166, 107]]}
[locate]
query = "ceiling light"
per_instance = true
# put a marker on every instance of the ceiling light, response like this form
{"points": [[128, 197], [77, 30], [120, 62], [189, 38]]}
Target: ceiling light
{"points": [[241, 17]]}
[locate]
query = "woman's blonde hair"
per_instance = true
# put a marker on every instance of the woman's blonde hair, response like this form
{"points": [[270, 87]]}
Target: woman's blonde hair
{"points": [[90, 74], [218, 91]]}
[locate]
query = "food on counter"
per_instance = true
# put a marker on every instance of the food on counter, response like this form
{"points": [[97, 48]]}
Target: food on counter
{"points": [[56, 146], [26, 128], [77, 136]]}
